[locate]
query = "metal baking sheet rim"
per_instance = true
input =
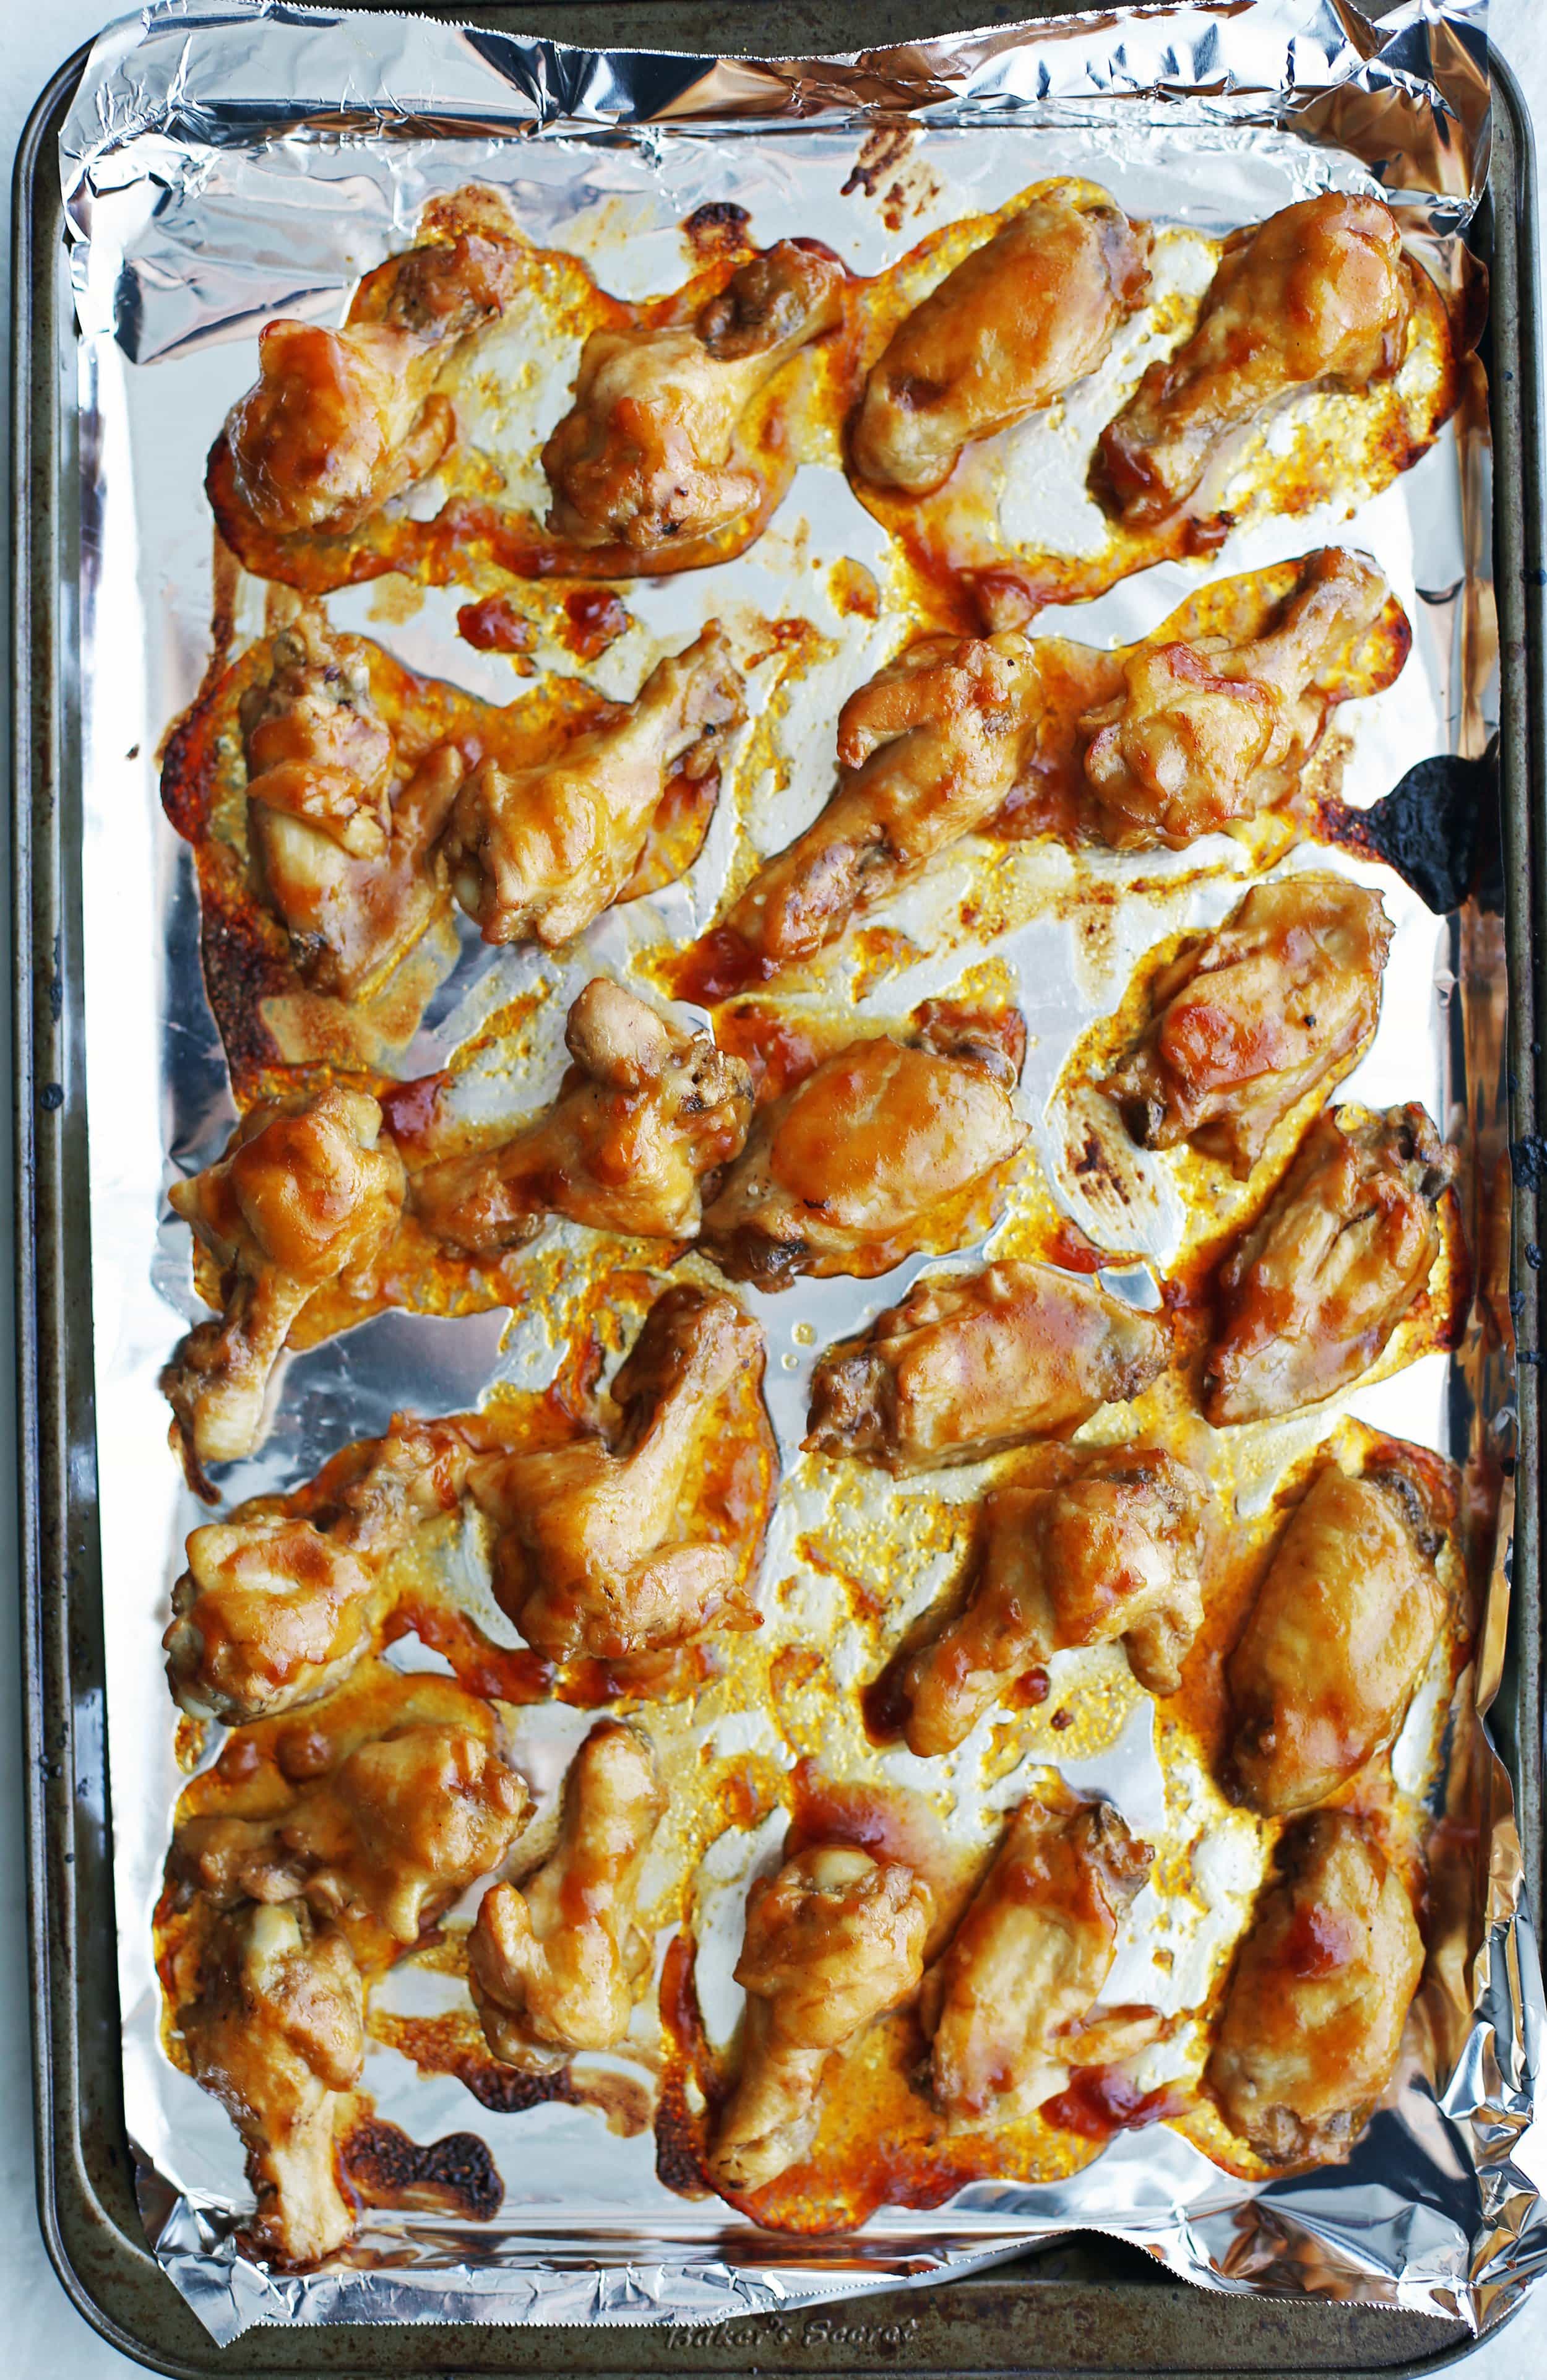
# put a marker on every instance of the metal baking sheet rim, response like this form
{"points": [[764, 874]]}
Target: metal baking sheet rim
{"points": [[774, 2291]]}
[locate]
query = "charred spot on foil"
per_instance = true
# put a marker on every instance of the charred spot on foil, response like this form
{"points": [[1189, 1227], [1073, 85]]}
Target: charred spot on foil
{"points": [[1428, 829], [389, 2169]]}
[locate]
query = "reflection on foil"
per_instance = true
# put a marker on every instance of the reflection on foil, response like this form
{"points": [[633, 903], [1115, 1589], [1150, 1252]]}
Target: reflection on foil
{"points": [[221, 167]]}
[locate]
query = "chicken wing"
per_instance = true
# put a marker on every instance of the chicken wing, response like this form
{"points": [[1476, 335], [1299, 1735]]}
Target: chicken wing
{"points": [[1340, 1632], [1318, 297], [597, 1551], [1010, 2007], [1112, 1552], [539, 853], [644, 1112], [1314, 1291], [1246, 1021], [886, 1148], [1204, 734], [299, 1200], [833, 1941], [342, 421], [1021, 319], [970, 1363], [555, 1965], [275, 2032], [647, 455], [1315, 2008]]}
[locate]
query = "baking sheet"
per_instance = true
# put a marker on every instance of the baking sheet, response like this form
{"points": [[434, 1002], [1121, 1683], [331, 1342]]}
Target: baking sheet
{"points": [[207, 200]]}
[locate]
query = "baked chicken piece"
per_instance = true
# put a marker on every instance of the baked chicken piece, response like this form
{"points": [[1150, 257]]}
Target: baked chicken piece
{"points": [[537, 853], [300, 1199], [1020, 320], [1207, 733], [833, 1941], [1314, 2012], [1339, 1636], [275, 2032], [647, 455], [1111, 1552], [594, 1553], [644, 1114], [972, 1362], [348, 863], [1318, 297], [555, 1965], [1313, 1291], [1248, 1020], [927, 751], [882, 1151], [1012, 2004]]}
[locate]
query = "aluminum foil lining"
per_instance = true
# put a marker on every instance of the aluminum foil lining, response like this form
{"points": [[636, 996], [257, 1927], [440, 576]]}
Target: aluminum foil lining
{"points": [[223, 165]]}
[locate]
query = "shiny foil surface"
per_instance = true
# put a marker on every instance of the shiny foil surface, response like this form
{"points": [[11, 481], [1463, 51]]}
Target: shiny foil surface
{"points": [[224, 165]]}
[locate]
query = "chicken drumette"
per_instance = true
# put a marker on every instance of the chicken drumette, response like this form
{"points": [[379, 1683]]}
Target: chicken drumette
{"points": [[972, 1362], [555, 1965], [1246, 1021], [1314, 2013], [1318, 297], [644, 1112], [1111, 1552], [1033, 310], [299, 1200], [648, 457], [1341, 1631], [1011, 2007], [833, 1941], [1314, 1291]]}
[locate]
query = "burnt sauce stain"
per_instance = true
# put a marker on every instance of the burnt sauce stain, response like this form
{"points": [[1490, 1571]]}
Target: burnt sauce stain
{"points": [[453, 2175], [1433, 829]]}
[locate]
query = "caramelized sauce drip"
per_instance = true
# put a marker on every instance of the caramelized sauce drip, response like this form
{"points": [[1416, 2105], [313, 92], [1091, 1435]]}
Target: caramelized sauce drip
{"points": [[1101, 2100]]}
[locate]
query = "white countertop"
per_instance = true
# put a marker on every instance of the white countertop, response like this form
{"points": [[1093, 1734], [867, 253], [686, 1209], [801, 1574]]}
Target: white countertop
{"points": [[45, 2334]]}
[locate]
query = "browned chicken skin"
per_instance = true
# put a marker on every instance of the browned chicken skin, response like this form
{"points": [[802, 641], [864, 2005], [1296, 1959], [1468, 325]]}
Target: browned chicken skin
{"points": [[970, 1363], [1339, 1636], [1314, 2017], [539, 853], [1318, 297], [1246, 1021], [299, 1200], [1009, 2008], [833, 1941], [1111, 1552], [1208, 733], [341, 420], [596, 1553], [556, 1964], [1313, 1291], [644, 1114], [277, 2030], [1024, 316], [648, 454]]}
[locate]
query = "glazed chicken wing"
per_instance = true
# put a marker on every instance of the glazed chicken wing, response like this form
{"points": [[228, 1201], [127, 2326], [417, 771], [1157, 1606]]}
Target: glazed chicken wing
{"points": [[1246, 1021], [277, 2031], [1110, 1553], [644, 1112], [833, 1941], [1314, 1291], [1033, 310], [299, 1200], [1010, 2007], [539, 853], [1314, 2013], [882, 1151], [596, 1553], [647, 455], [555, 1965], [1207, 733], [1318, 297], [972, 1362], [1340, 1632], [341, 420]]}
